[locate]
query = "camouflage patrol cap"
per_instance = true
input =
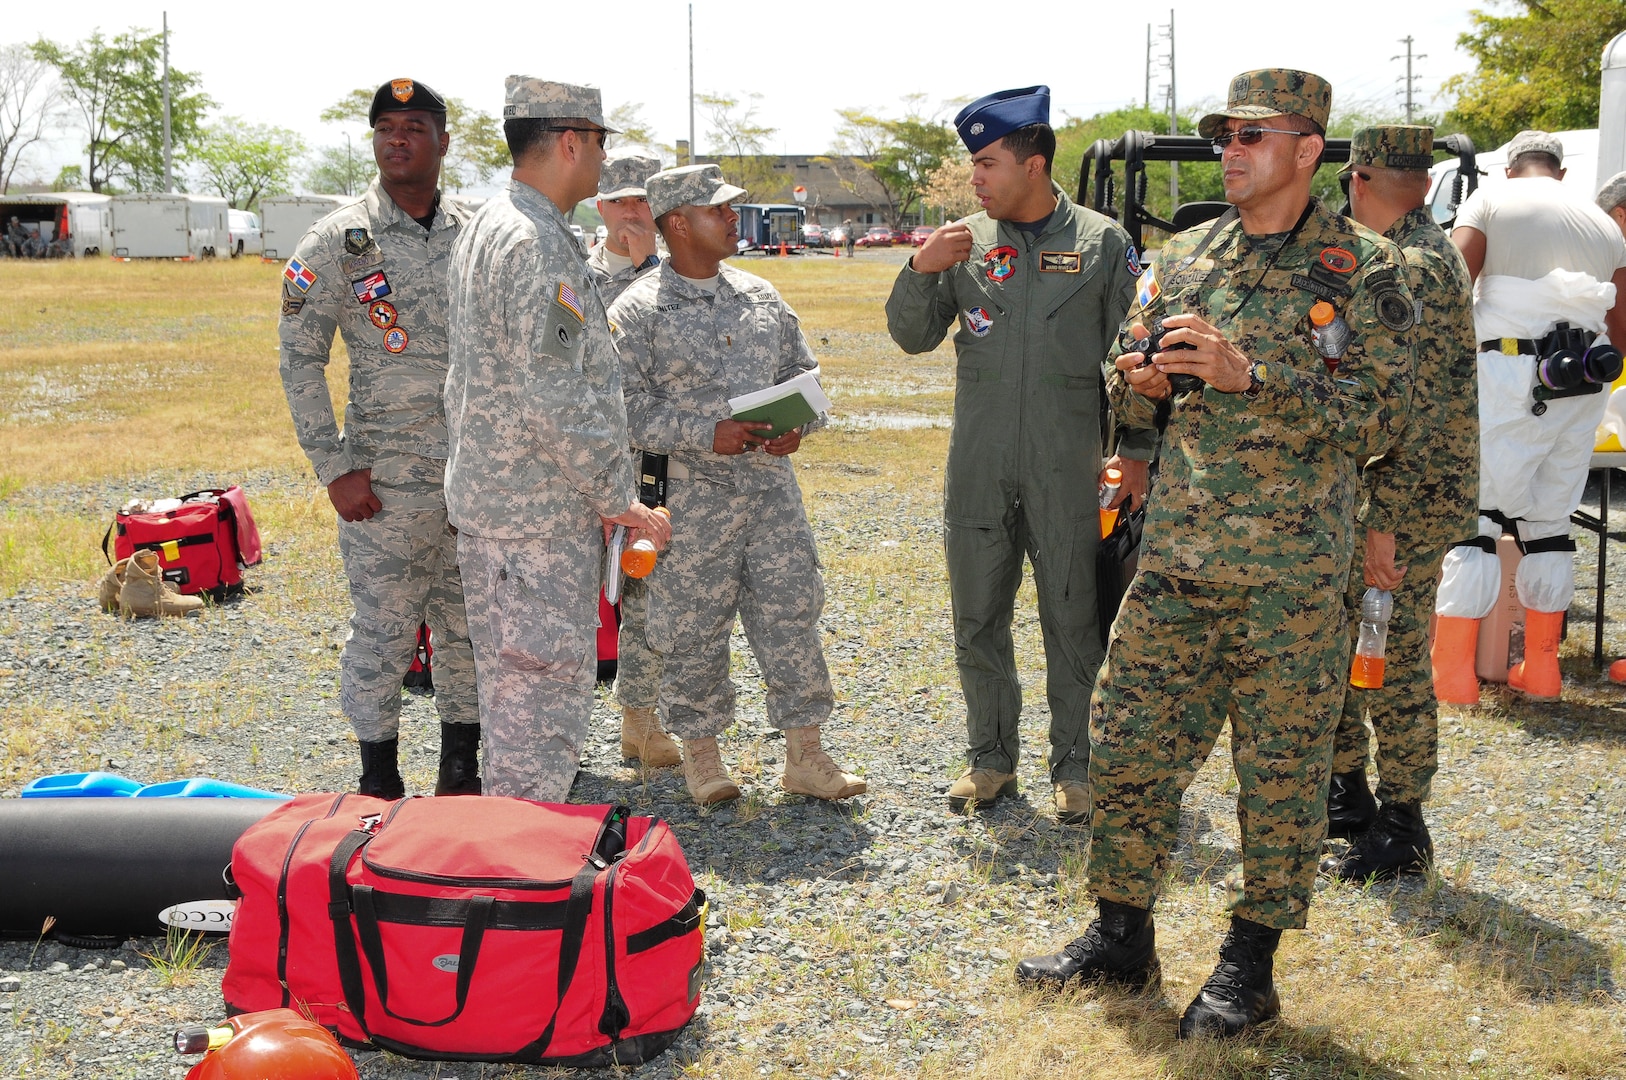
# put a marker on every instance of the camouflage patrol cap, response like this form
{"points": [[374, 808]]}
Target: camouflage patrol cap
{"points": [[404, 95], [1256, 95], [692, 185], [536, 99], [626, 176], [1611, 195], [1534, 142], [1392, 146]]}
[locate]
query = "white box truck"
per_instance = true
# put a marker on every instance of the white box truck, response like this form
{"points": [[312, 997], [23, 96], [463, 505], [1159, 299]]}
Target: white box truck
{"points": [[286, 218], [81, 218], [160, 225]]}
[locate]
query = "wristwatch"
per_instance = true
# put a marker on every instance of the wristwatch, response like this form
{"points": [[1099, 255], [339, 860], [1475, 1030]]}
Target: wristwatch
{"points": [[649, 263], [1256, 379]]}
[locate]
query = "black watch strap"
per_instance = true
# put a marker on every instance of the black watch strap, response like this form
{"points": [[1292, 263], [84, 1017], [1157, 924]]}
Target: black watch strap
{"points": [[648, 264]]}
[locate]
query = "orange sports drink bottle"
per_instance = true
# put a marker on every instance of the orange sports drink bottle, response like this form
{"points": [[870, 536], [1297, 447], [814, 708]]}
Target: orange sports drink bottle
{"points": [[1366, 669], [639, 558], [1109, 491]]}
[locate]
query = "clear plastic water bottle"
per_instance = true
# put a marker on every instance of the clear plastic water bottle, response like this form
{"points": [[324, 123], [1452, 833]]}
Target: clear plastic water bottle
{"points": [[1330, 333], [1366, 670], [1109, 491]]}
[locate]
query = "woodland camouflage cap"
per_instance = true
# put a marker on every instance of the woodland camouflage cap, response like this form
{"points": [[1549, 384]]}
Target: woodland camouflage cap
{"points": [[1392, 146], [1268, 92]]}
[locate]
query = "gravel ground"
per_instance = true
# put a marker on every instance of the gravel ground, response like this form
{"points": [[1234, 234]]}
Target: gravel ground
{"points": [[1524, 817]]}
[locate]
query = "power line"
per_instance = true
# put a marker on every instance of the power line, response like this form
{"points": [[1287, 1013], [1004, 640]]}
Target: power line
{"points": [[1409, 79]]}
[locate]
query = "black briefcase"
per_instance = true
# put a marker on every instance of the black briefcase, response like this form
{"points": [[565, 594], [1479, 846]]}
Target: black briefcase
{"points": [[1115, 563]]}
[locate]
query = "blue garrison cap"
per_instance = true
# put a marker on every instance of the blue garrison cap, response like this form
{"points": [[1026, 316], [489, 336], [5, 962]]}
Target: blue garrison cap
{"points": [[999, 114]]}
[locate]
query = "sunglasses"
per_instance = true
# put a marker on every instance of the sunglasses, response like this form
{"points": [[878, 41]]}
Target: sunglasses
{"points": [[604, 136], [1248, 136]]}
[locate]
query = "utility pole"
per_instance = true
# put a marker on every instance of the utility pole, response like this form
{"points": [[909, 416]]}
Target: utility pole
{"points": [[169, 184], [1148, 65], [691, 86], [1410, 79], [1174, 118]]}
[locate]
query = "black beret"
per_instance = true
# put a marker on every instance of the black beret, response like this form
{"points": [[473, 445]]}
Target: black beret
{"points": [[404, 95]]}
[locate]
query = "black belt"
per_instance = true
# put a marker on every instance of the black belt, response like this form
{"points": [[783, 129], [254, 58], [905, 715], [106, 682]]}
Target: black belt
{"points": [[1521, 346]]}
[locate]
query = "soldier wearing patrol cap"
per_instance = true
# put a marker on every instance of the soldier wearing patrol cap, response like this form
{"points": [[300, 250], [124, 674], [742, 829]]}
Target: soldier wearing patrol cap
{"points": [[1035, 287], [538, 459], [1548, 270], [1237, 610], [375, 272], [628, 250], [1612, 199], [1416, 498], [693, 334]]}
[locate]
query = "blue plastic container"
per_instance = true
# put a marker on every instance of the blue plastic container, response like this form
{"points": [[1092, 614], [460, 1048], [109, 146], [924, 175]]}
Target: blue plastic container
{"points": [[202, 788], [81, 785]]}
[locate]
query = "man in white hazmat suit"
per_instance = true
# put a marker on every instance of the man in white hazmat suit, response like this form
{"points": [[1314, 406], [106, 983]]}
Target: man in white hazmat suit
{"points": [[1547, 268]]}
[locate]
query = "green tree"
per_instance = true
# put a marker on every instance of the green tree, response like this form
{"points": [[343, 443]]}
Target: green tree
{"points": [[476, 150], [338, 170], [1539, 67], [242, 162], [741, 144], [1199, 181], [117, 88], [901, 154], [635, 131]]}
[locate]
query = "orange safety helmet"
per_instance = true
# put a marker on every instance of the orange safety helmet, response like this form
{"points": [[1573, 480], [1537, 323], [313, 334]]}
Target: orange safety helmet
{"points": [[277, 1044]]}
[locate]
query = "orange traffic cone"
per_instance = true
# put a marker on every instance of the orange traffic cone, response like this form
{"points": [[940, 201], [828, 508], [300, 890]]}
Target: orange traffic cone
{"points": [[1537, 675], [781, 249], [1456, 639]]}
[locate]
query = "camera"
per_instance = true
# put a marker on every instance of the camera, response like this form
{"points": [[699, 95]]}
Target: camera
{"points": [[1567, 368], [1180, 382]]}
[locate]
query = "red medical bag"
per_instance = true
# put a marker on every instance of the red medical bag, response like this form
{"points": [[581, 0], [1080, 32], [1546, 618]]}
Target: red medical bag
{"points": [[202, 545]]}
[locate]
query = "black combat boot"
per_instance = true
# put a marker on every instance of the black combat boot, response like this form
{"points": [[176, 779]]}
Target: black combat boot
{"points": [[1350, 806], [1397, 843], [459, 760], [1119, 947], [380, 771], [1240, 993]]}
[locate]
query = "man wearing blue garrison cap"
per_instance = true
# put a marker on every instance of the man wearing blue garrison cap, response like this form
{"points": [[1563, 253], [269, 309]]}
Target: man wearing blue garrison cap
{"points": [[1037, 287]]}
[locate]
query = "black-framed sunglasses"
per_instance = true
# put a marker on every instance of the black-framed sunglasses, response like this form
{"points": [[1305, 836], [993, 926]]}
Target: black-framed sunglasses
{"points": [[604, 136], [1248, 136]]}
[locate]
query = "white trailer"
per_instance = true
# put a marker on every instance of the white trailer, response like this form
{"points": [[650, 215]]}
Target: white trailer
{"points": [[286, 218], [81, 218], [160, 225]]}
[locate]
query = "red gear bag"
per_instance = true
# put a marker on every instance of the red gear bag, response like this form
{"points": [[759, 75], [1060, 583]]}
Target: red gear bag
{"points": [[470, 929], [202, 545]]}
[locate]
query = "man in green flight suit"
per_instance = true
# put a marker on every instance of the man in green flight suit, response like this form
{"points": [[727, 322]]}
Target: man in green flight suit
{"points": [[1038, 287], [1237, 610]]}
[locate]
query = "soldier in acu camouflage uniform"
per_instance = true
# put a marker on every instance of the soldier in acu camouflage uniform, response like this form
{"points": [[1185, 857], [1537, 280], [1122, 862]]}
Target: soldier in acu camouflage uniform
{"points": [[692, 335], [1417, 497], [1237, 611], [628, 250], [375, 272], [538, 435]]}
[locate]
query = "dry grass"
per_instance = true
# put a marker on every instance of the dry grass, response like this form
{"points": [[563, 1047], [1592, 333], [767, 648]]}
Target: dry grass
{"points": [[109, 372]]}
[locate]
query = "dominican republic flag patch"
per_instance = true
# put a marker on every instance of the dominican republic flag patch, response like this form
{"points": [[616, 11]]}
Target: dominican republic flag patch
{"points": [[567, 299], [299, 275], [372, 287]]}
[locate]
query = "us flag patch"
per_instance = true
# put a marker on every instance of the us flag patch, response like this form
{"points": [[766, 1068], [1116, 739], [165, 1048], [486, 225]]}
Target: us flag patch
{"points": [[372, 287], [567, 299]]}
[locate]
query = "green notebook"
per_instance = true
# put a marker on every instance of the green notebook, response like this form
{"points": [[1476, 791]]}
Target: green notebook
{"points": [[784, 414]]}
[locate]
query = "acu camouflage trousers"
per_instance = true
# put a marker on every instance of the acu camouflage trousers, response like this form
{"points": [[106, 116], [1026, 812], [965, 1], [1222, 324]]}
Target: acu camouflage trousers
{"points": [[1404, 714], [749, 553], [1184, 656], [637, 669], [533, 619], [402, 566]]}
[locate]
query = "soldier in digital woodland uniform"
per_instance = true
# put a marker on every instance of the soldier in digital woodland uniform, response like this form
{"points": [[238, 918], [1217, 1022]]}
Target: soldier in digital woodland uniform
{"points": [[1237, 610], [1035, 288], [1548, 269], [1416, 498], [628, 250], [375, 271], [538, 431], [693, 334]]}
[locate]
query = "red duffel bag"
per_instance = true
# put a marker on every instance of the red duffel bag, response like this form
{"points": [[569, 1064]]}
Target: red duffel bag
{"points": [[202, 544], [470, 929]]}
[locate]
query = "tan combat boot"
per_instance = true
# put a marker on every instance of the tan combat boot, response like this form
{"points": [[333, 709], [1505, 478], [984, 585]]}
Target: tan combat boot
{"points": [[642, 738], [979, 787], [809, 770], [704, 774], [145, 591], [1072, 802], [112, 583]]}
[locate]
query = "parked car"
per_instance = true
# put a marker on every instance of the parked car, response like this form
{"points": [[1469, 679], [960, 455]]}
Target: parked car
{"points": [[246, 238], [581, 237], [835, 236], [900, 237], [919, 234], [878, 236], [813, 235]]}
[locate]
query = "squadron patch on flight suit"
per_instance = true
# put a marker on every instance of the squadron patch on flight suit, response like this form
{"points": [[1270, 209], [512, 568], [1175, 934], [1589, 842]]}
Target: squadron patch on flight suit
{"points": [[978, 322], [1000, 263]]}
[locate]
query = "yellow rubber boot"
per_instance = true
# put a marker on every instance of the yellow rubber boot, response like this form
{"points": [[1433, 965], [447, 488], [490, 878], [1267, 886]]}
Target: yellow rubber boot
{"points": [[1456, 639], [1537, 676]]}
